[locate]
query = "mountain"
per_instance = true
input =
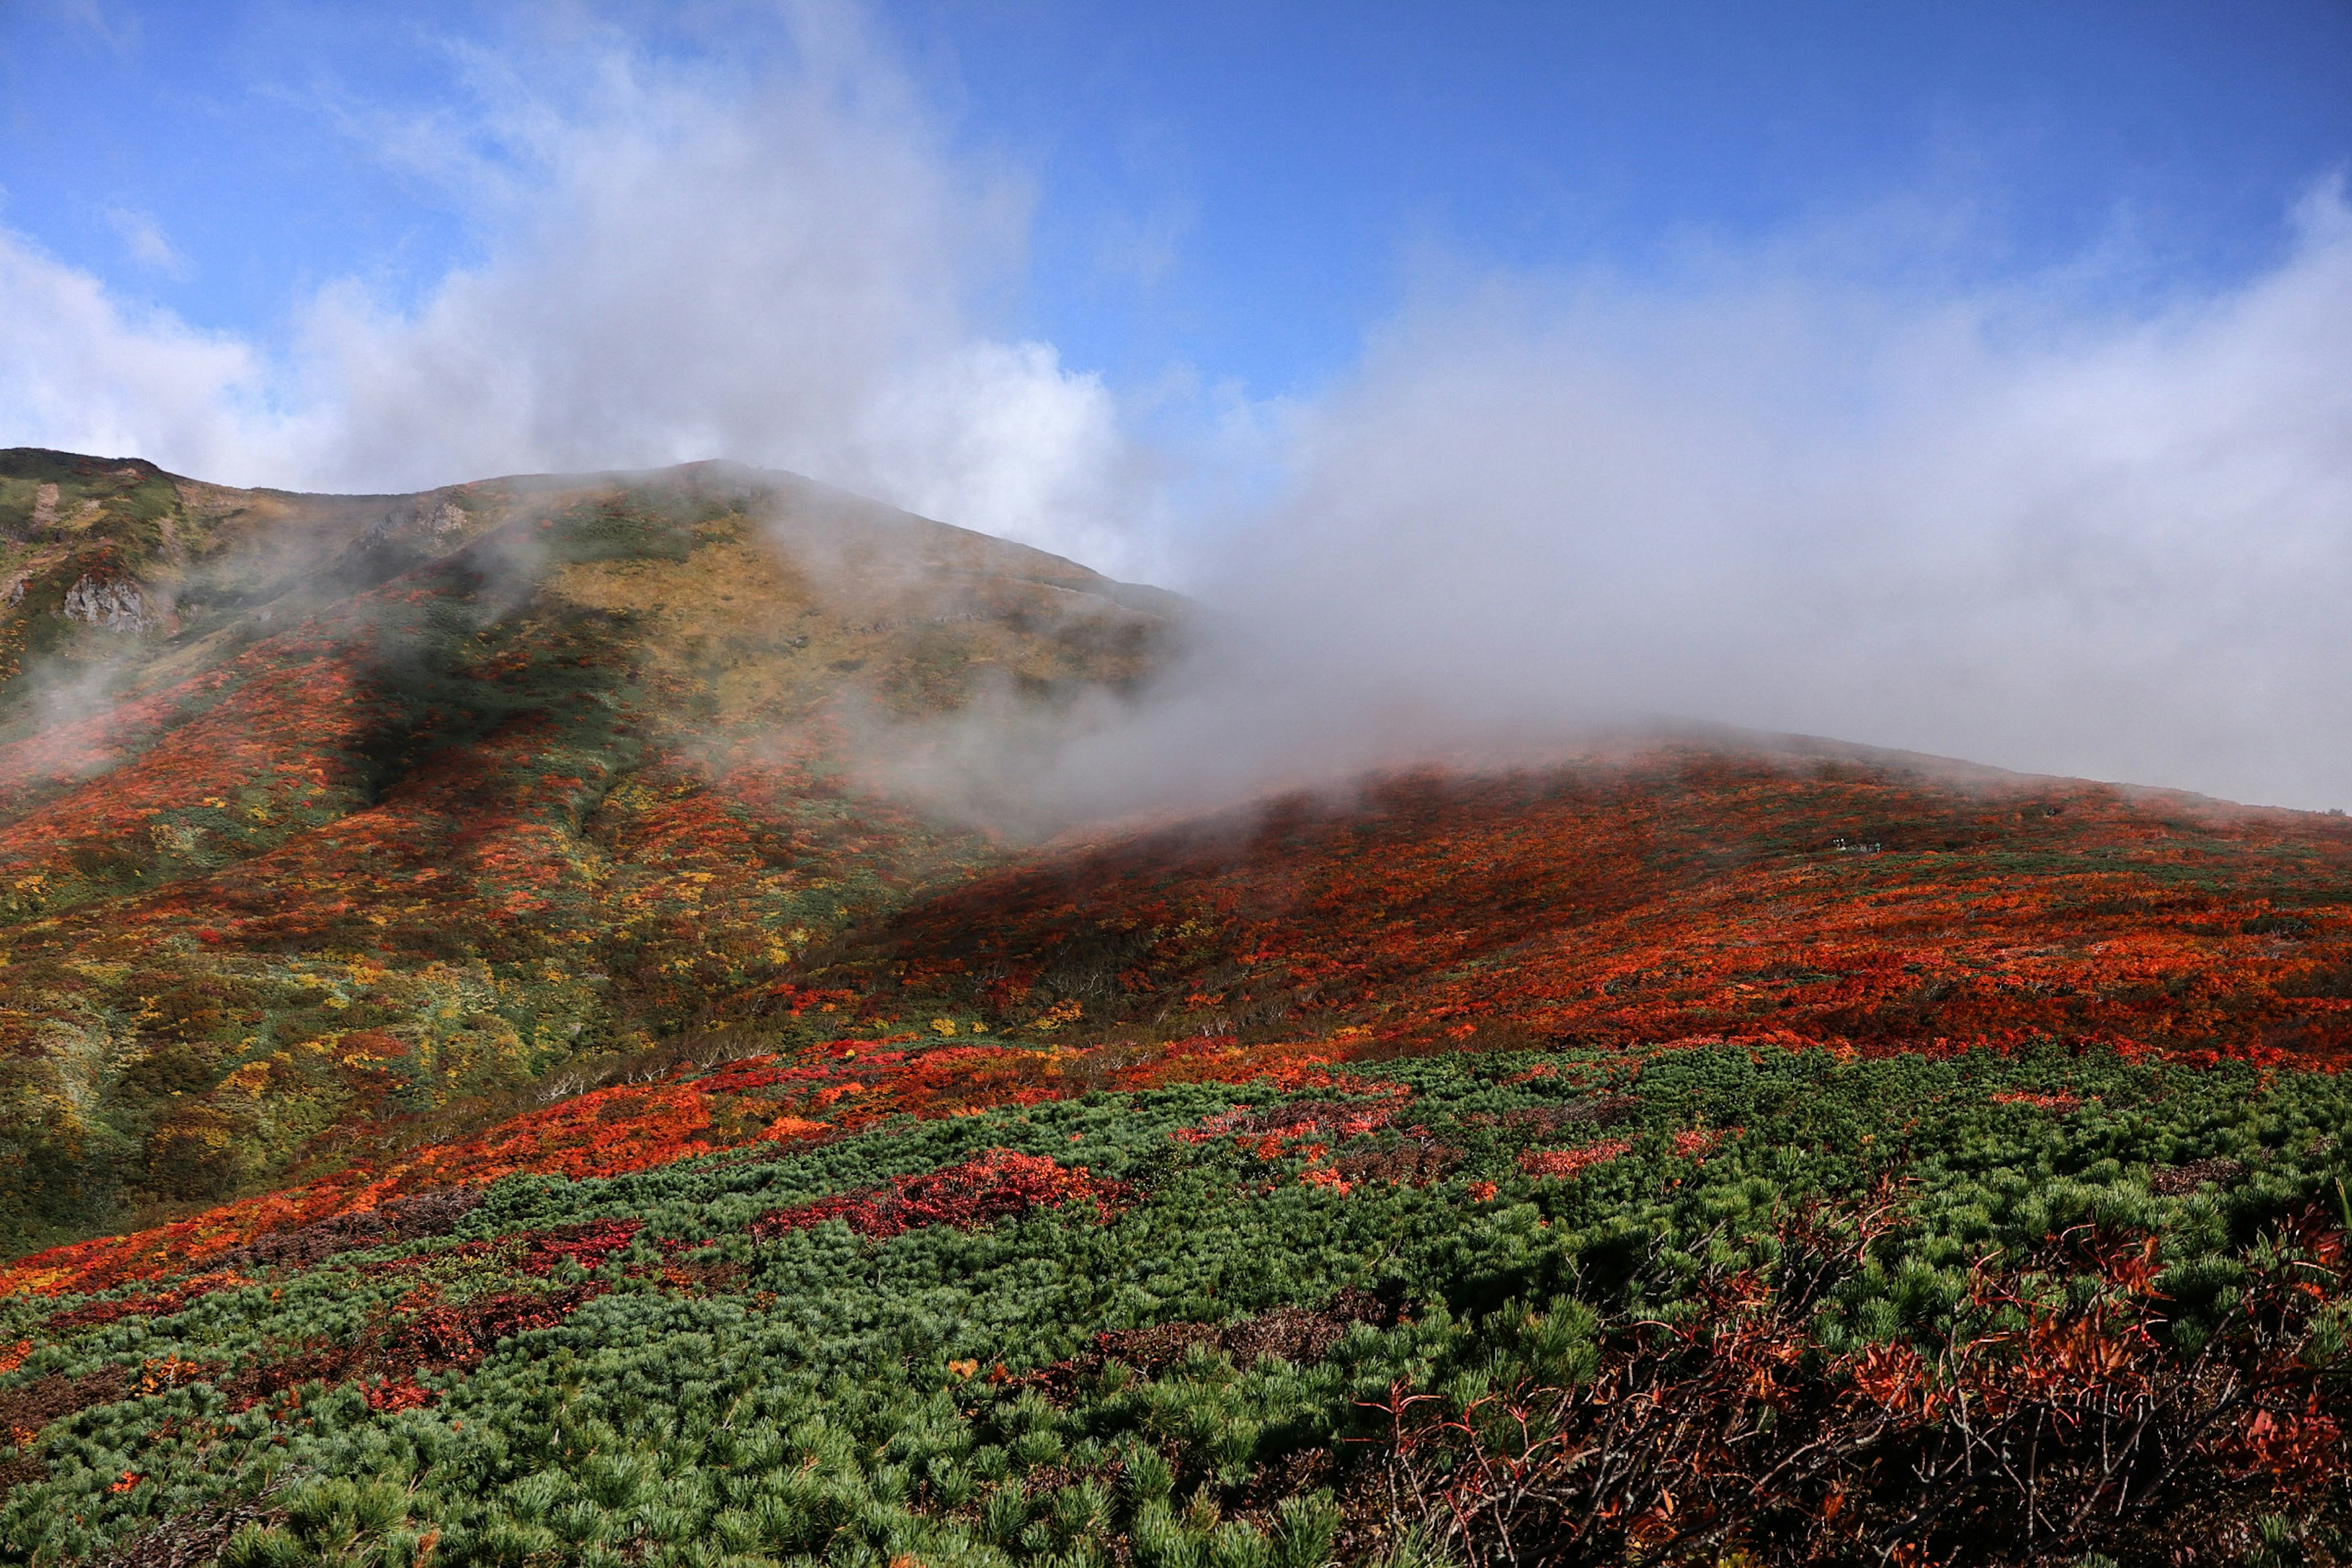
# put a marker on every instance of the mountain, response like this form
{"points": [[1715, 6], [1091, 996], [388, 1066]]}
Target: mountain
{"points": [[553, 1092], [318, 813]]}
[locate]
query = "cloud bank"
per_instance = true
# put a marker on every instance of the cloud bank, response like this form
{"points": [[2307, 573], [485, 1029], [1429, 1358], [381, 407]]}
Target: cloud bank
{"points": [[1785, 493], [1789, 489]]}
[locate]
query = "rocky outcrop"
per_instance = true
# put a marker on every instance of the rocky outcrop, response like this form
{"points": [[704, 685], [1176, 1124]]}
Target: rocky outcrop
{"points": [[418, 524], [114, 602]]}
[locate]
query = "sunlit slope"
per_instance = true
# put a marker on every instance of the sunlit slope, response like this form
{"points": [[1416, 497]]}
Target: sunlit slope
{"points": [[2005, 1307], [1681, 894], [641, 1144], [1841, 895], [1350, 1171], [316, 812]]}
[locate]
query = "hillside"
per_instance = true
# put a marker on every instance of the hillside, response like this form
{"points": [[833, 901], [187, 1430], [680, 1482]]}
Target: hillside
{"points": [[551, 1103], [1792, 890], [318, 812]]}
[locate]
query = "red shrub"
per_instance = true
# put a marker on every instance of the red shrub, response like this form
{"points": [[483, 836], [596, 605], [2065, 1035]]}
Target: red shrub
{"points": [[1569, 1162], [157, 1306], [2034, 1429], [386, 1394], [587, 1245], [2059, 1103], [393, 1351], [1696, 1141], [999, 1184]]}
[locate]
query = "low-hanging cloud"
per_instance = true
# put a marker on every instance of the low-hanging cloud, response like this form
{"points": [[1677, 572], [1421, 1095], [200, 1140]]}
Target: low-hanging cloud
{"points": [[2006, 525]]}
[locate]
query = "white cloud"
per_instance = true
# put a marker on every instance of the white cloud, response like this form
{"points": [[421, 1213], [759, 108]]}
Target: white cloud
{"points": [[143, 242], [1778, 491], [78, 372], [1990, 525], [1000, 435], [678, 261]]}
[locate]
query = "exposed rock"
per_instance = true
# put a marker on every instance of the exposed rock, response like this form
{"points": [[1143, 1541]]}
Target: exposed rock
{"points": [[419, 524], [45, 507], [114, 602]]}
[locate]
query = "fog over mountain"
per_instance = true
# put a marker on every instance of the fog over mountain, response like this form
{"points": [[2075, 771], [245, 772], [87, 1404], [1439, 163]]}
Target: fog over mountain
{"points": [[1825, 484], [2004, 526]]}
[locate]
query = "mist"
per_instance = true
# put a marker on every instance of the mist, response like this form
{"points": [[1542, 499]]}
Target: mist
{"points": [[1786, 493], [1834, 482]]}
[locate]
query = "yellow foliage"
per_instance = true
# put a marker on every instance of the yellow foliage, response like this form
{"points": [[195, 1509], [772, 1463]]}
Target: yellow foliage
{"points": [[249, 1080]]}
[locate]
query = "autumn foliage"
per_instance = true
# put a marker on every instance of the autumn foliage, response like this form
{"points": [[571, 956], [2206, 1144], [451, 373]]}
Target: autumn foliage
{"points": [[999, 1184], [1673, 893], [2037, 1428], [406, 803], [487, 1077]]}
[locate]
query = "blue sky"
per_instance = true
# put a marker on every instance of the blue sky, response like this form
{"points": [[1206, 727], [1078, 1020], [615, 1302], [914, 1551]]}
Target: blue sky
{"points": [[1976, 379], [1300, 158], [1243, 189]]}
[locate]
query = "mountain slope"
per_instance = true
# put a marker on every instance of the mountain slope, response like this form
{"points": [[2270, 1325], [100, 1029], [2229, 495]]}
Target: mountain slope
{"points": [[646, 1142], [1663, 891], [1719, 1302], [317, 811]]}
